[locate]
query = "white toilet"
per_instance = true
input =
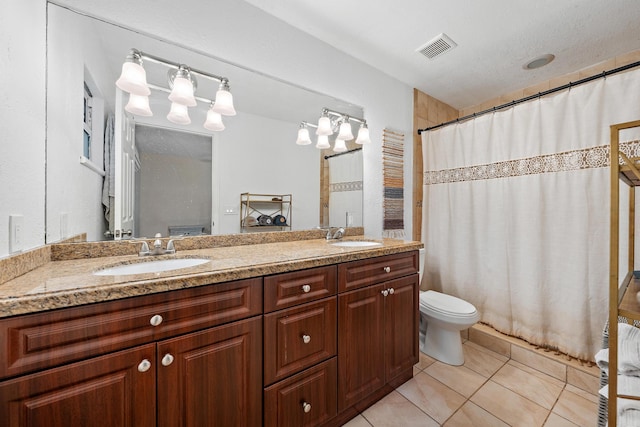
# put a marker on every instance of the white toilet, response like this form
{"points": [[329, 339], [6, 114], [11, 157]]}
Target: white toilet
{"points": [[442, 317]]}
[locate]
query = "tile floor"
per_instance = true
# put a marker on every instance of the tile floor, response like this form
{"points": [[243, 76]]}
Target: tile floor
{"points": [[491, 389]]}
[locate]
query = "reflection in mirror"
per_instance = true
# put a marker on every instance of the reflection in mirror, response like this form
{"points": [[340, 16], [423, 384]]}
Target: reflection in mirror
{"points": [[256, 152]]}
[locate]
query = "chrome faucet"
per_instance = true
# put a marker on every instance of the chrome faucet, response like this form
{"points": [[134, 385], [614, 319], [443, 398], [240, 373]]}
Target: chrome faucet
{"points": [[331, 235], [157, 247]]}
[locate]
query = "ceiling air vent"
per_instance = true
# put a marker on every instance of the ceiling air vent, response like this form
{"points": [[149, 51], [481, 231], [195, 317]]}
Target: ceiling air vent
{"points": [[437, 46]]}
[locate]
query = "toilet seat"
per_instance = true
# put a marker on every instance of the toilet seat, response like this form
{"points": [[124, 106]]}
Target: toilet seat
{"points": [[446, 304]]}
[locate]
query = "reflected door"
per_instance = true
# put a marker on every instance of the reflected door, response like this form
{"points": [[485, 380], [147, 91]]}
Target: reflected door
{"points": [[124, 203]]}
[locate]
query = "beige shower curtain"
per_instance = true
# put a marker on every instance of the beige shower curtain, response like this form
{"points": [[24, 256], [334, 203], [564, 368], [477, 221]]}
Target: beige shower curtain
{"points": [[516, 217]]}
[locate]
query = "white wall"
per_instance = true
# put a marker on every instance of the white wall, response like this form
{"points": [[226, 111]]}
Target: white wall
{"points": [[22, 119], [253, 170], [240, 33]]}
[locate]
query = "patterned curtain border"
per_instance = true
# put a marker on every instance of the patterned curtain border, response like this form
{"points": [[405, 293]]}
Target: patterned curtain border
{"points": [[393, 178], [345, 186], [587, 158]]}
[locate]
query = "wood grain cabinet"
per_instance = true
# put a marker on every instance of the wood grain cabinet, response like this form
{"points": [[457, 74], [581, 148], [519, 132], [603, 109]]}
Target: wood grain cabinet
{"points": [[208, 377], [300, 344], [303, 348], [378, 328]]}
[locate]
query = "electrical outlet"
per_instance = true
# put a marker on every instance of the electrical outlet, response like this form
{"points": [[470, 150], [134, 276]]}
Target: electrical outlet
{"points": [[16, 230], [64, 225]]}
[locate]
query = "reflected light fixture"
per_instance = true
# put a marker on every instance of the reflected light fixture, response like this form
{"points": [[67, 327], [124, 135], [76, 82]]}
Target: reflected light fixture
{"points": [[303, 135], [340, 146], [179, 114], [214, 120], [345, 130], [182, 82], [363, 134], [323, 142], [329, 122], [138, 105]]}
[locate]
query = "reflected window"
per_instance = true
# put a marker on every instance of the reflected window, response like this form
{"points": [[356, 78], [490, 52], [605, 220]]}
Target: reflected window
{"points": [[88, 106]]}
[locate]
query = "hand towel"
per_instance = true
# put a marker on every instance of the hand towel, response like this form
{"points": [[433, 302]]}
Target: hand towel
{"points": [[628, 351], [629, 386]]}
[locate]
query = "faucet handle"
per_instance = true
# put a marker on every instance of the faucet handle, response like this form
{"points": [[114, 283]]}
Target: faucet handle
{"points": [[144, 247], [171, 249]]}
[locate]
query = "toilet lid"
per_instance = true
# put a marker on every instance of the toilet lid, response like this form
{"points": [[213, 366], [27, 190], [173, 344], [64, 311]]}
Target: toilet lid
{"points": [[446, 303]]}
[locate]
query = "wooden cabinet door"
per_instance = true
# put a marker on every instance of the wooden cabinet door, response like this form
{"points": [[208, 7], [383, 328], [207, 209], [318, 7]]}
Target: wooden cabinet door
{"points": [[212, 378], [401, 320], [115, 390], [360, 343]]}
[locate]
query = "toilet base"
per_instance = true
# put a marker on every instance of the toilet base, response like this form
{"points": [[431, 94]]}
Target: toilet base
{"points": [[443, 345]]}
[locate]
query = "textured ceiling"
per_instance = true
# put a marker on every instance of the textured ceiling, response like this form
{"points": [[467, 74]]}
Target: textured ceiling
{"points": [[495, 38]]}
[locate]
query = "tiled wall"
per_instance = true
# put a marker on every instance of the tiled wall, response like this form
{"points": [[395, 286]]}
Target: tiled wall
{"points": [[428, 111]]}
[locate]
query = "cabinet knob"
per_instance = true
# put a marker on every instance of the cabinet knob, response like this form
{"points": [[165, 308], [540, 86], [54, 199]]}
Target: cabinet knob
{"points": [[156, 320], [306, 407], [391, 291], [306, 339], [387, 269], [167, 359], [306, 288], [144, 366], [384, 293]]}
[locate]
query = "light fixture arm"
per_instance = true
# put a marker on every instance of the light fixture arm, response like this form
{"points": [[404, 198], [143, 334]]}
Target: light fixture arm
{"points": [[158, 60], [343, 116], [164, 89]]}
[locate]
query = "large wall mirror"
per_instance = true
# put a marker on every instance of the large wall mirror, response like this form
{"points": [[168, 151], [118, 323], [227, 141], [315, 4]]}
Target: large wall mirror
{"points": [[181, 177]]}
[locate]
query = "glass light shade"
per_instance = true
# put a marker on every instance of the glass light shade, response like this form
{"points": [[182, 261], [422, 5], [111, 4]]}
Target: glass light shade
{"points": [[303, 136], [182, 92], [138, 105], [340, 146], [323, 142], [179, 114], [345, 132], [214, 121], [224, 103], [133, 79], [324, 127], [363, 135]]}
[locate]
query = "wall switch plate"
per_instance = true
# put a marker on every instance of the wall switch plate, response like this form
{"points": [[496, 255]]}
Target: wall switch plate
{"points": [[16, 230], [230, 210]]}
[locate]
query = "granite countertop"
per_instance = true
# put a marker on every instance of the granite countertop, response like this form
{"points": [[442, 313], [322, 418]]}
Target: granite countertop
{"points": [[59, 284]]}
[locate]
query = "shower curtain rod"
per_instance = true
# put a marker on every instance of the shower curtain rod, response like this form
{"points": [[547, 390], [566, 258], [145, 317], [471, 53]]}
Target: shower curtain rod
{"points": [[529, 98], [340, 154]]}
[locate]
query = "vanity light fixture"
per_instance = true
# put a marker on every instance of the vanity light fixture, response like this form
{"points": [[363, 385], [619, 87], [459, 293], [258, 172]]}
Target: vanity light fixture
{"points": [[182, 86], [182, 82], [331, 121], [138, 105], [214, 119]]}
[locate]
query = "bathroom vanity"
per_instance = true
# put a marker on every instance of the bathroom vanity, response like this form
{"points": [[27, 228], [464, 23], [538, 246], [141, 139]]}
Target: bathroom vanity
{"points": [[290, 333]]}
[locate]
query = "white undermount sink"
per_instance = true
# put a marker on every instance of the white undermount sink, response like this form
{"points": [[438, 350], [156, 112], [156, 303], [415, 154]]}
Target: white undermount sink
{"points": [[356, 243], [157, 266]]}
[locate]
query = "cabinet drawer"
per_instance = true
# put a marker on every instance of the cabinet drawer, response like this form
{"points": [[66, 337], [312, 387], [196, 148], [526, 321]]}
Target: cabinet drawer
{"points": [[306, 399], [43, 340], [298, 337], [289, 289], [357, 274]]}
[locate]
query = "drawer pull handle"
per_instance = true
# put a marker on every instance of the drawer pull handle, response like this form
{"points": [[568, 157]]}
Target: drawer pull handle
{"points": [[306, 407], [391, 291], [387, 269], [384, 293], [167, 359], [306, 288], [156, 320], [306, 339], [144, 366]]}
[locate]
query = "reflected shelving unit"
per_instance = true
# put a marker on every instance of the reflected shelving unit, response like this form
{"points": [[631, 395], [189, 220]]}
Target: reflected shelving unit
{"points": [[265, 212], [623, 299]]}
